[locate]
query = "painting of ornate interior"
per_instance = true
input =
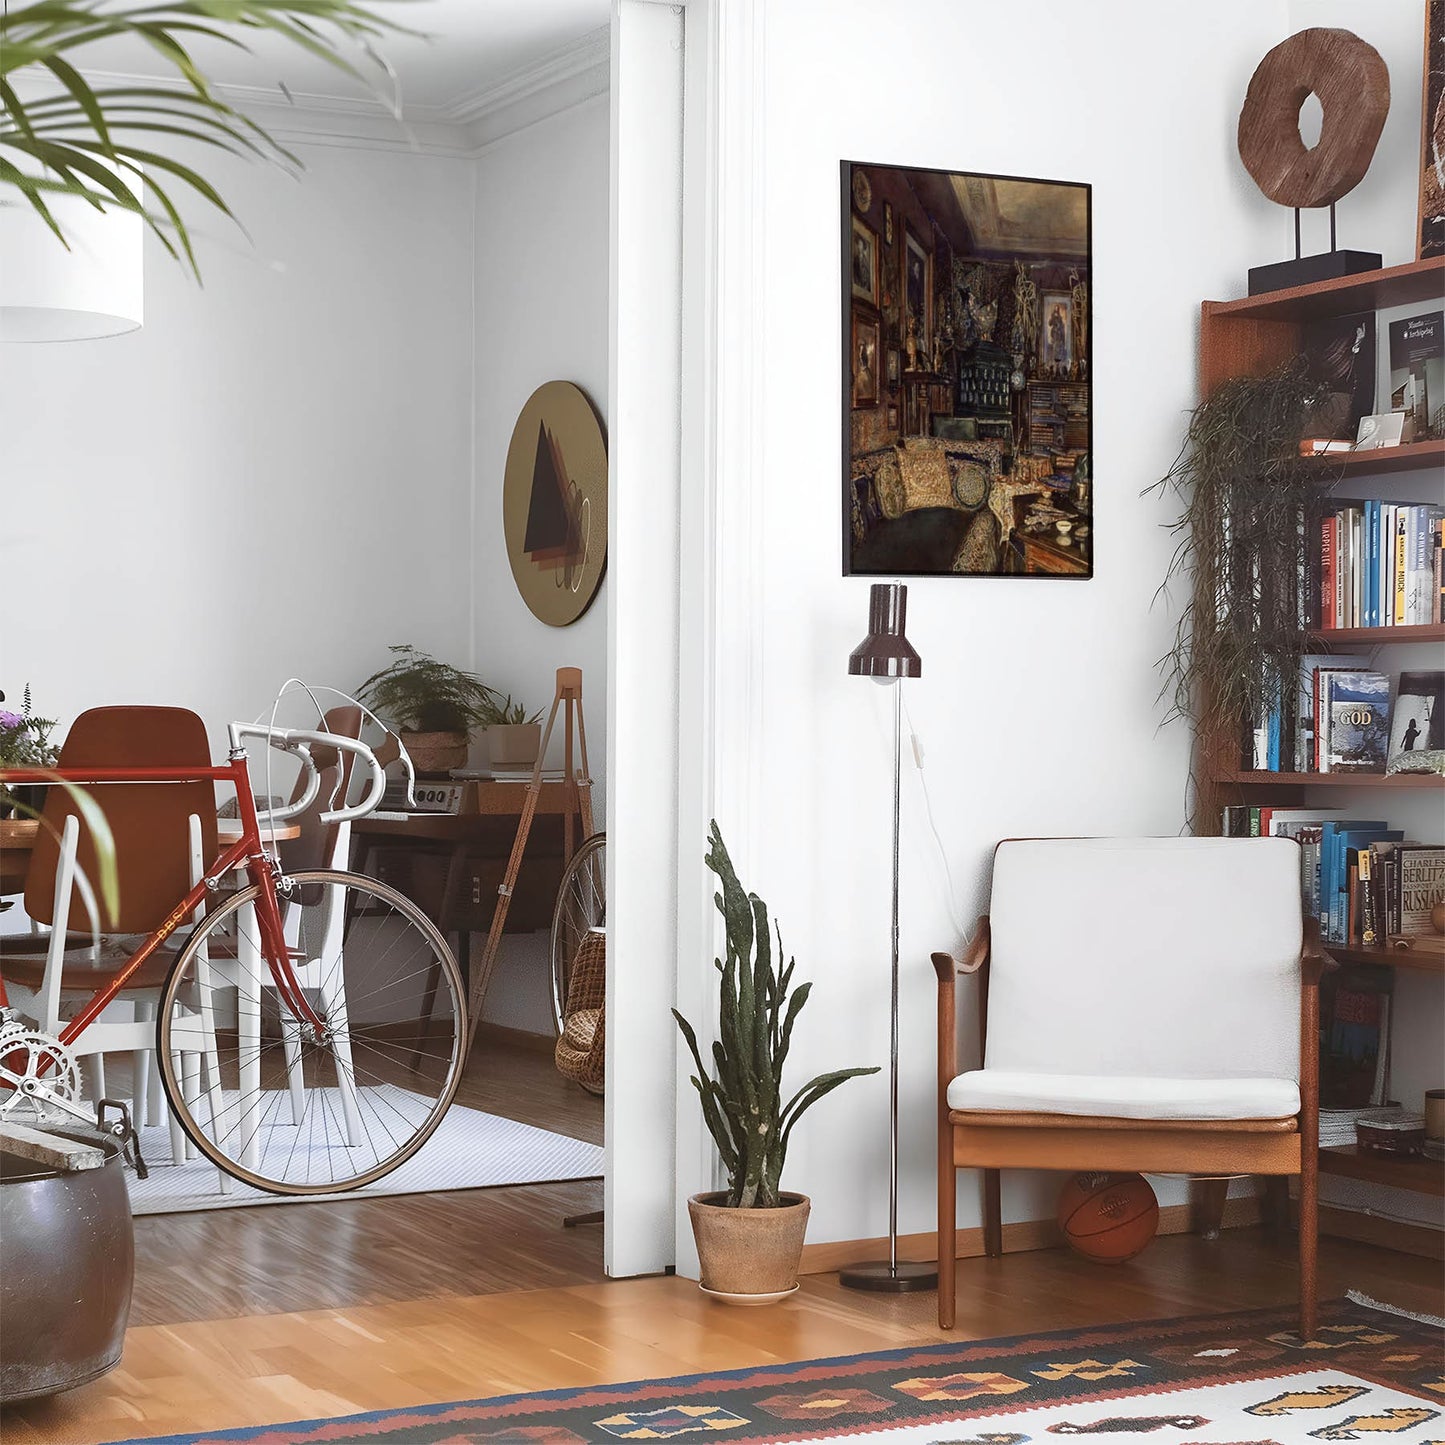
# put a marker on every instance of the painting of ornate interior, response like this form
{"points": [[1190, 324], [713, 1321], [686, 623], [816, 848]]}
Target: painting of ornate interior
{"points": [[966, 387]]}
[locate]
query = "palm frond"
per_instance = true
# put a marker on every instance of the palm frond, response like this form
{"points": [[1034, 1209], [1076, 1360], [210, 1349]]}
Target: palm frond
{"points": [[94, 143]]}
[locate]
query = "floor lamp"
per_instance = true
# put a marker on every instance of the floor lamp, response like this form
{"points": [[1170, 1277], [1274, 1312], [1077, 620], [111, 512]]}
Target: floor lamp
{"points": [[886, 656]]}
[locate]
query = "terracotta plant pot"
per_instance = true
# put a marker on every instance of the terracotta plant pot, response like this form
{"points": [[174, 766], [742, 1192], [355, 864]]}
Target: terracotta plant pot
{"points": [[749, 1256], [513, 745], [434, 755]]}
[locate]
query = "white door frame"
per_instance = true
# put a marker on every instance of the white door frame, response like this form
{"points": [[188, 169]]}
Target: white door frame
{"points": [[685, 594]]}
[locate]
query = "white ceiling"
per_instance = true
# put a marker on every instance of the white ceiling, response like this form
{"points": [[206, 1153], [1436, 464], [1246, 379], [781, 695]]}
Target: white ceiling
{"points": [[470, 47]]}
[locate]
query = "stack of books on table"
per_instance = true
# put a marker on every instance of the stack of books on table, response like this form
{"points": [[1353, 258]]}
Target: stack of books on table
{"points": [[1337, 1126]]}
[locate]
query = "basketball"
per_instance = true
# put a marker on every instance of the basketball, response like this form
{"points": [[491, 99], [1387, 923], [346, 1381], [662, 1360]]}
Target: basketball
{"points": [[1108, 1217]]}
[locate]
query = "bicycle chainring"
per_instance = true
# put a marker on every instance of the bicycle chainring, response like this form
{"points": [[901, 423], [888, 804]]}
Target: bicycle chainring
{"points": [[28, 1054]]}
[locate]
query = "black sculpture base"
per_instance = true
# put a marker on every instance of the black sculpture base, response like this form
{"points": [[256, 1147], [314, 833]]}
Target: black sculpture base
{"points": [[1306, 270], [878, 1276]]}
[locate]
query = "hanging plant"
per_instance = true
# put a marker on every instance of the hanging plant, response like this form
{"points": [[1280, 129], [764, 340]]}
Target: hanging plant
{"points": [[1247, 493]]}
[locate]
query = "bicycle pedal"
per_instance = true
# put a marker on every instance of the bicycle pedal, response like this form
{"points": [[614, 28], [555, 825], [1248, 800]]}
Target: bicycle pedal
{"points": [[125, 1131]]}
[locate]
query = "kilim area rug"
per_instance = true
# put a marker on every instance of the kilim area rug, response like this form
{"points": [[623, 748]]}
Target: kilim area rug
{"points": [[1236, 1379]]}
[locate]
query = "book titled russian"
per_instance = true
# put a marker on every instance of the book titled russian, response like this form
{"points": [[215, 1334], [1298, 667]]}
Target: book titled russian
{"points": [[1357, 713], [1421, 882], [1417, 369]]}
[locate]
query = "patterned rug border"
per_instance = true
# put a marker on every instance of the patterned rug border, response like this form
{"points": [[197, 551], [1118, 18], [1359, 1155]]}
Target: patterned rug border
{"points": [[962, 1352]]}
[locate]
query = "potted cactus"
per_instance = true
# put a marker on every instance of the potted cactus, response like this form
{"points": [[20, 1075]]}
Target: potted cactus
{"points": [[750, 1236]]}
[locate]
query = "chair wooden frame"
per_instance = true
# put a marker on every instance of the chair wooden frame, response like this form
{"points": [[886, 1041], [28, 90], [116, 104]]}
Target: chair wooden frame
{"points": [[995, 1140]]}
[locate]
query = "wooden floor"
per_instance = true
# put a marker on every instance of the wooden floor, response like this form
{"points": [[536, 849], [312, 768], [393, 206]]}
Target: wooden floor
{"points": [[266, 1369], [256, 1316], [225, 1263]]}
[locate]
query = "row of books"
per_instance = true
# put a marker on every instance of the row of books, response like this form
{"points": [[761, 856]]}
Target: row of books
{"points": [[1379, 565], [1362, 879], [1347, 718]]}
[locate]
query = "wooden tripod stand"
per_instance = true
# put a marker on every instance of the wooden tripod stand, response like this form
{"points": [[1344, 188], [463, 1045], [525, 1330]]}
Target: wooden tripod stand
{"points": [[577, 782]]}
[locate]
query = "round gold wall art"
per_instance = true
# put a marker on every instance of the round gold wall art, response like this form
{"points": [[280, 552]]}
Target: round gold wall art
{"points": [[554, 503]]}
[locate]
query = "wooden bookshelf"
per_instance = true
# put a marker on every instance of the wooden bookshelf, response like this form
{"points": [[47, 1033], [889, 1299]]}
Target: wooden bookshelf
{"points": [[1381, 461], [1416, 281], [1420, 962], [1399, 1171], [1378, 636], [1250, 779]]}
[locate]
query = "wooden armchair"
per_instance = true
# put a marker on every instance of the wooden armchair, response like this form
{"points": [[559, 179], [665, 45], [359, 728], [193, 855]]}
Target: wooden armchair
{"points": [[1145, 1004]]}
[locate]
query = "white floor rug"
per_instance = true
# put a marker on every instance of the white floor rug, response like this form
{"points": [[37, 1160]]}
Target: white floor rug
{"points": [[470, 1150]]}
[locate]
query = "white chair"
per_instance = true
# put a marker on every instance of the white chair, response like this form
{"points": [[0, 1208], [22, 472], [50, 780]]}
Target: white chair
{"points": [[1144, 1004], [162, 834]]}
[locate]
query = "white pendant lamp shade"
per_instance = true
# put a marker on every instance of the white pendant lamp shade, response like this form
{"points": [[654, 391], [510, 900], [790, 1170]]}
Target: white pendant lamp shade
{"points": [[48, 293]]}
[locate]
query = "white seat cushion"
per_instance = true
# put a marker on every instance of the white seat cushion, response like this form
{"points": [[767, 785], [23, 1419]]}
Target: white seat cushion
{"points": [[1119, 1097]]}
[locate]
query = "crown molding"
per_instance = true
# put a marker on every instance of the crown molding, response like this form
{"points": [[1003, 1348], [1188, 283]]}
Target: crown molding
{"points": [[579, 61], [568, 77]]}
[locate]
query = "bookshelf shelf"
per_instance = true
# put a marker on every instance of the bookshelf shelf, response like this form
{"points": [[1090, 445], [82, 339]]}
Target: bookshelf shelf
{"points": [[1246, 779], [1421, 962], [1417, 281], [1410, 457], [1377, 636], [1414, 1172]]}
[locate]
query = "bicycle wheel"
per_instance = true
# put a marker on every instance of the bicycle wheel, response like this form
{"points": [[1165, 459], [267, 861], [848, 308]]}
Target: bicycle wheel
{"points": [[274, 1102], [581, 904]]}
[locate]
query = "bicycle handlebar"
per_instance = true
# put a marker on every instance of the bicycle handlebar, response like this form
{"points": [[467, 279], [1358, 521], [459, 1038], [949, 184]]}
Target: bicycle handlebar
{"points": [[300, 741]]}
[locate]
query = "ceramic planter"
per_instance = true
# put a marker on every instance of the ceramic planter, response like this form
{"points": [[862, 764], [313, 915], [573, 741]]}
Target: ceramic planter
{"points": [[69, 1262], [749, 1256], [513, 745], [434, 755]]}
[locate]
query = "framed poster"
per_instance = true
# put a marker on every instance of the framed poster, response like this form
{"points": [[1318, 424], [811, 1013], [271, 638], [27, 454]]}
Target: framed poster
{"points": [[1432, 135], [967, 388]]}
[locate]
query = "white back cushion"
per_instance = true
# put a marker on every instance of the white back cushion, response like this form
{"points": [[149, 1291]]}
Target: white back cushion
{"points": [[1169, 957]]}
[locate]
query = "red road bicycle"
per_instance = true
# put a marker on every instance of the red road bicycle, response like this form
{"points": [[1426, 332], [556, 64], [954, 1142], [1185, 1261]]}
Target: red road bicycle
{"points": [[311, 1029]]}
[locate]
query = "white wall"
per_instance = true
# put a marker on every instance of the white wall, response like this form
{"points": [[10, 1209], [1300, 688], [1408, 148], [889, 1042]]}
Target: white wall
{"points": [[1037, 707], [541, 277], [303, 421]]}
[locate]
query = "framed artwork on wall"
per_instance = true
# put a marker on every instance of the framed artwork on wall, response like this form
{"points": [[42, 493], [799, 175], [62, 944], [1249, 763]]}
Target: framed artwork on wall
{"points": [[865, 360], [1432, 139], [967, 385], [865, 263], [917, 301]]}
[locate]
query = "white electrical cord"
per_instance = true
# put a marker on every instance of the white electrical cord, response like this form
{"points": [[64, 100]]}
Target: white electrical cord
{"points": [[916, 748]]}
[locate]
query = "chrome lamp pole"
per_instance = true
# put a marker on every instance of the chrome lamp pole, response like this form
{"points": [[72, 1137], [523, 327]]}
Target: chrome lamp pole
{"points": [[887, 657]]}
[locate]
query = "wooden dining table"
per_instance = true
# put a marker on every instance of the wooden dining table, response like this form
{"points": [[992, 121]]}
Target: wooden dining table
{"points": [[18, 835]]}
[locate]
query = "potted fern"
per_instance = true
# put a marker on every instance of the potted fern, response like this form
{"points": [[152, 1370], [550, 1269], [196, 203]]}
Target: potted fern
{"points": [[513, 738], [434, 704], [750, 1235]]}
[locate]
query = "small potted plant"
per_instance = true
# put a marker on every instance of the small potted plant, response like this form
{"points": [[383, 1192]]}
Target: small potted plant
{"points": [[24, 743], [750, 1236], [434, 704], [513, 738]]}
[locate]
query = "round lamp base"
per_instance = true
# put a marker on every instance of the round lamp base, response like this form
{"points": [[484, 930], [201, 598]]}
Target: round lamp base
{"points": [[882, 1278]]}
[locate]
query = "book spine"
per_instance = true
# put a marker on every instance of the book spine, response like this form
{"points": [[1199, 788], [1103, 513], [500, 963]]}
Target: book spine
{"points": [[1385, 598], [1322, 722], [1372, 563], [1398, 603], [1369, 933], [1353, 597], [1352, 899], [1254, 822], [1327, 574], [1341, 534], [1437, 603]]}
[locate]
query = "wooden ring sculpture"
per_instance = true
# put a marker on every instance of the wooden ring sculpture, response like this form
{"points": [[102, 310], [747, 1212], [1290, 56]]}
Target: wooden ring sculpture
{"points": [[1353, 86]]}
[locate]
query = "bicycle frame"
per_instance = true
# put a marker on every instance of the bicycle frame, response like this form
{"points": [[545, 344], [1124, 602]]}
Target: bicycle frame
{"points": [[248, 850]]}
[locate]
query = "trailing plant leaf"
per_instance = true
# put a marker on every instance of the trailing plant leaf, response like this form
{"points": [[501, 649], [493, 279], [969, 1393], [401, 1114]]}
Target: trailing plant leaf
{"points": [[1242, 539], [741, 1102]]}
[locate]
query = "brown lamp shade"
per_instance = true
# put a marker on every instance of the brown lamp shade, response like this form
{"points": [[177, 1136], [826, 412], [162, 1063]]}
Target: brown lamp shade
{"points": [[886, 653]]}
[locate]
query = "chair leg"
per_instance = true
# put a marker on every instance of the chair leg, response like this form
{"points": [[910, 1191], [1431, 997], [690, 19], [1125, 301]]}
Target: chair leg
{"points": [[1207, 1196], [1308, 1245], [992, 1214], [1276, 1205], [947, 1226]]}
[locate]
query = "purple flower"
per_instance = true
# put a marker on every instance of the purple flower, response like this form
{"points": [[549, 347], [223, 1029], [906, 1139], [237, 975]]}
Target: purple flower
{"points": [[11, 719]]}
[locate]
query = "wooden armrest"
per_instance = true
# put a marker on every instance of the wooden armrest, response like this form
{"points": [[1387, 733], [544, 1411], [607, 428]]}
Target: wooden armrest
{"points": [[1313, 961], [974, 958]]}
